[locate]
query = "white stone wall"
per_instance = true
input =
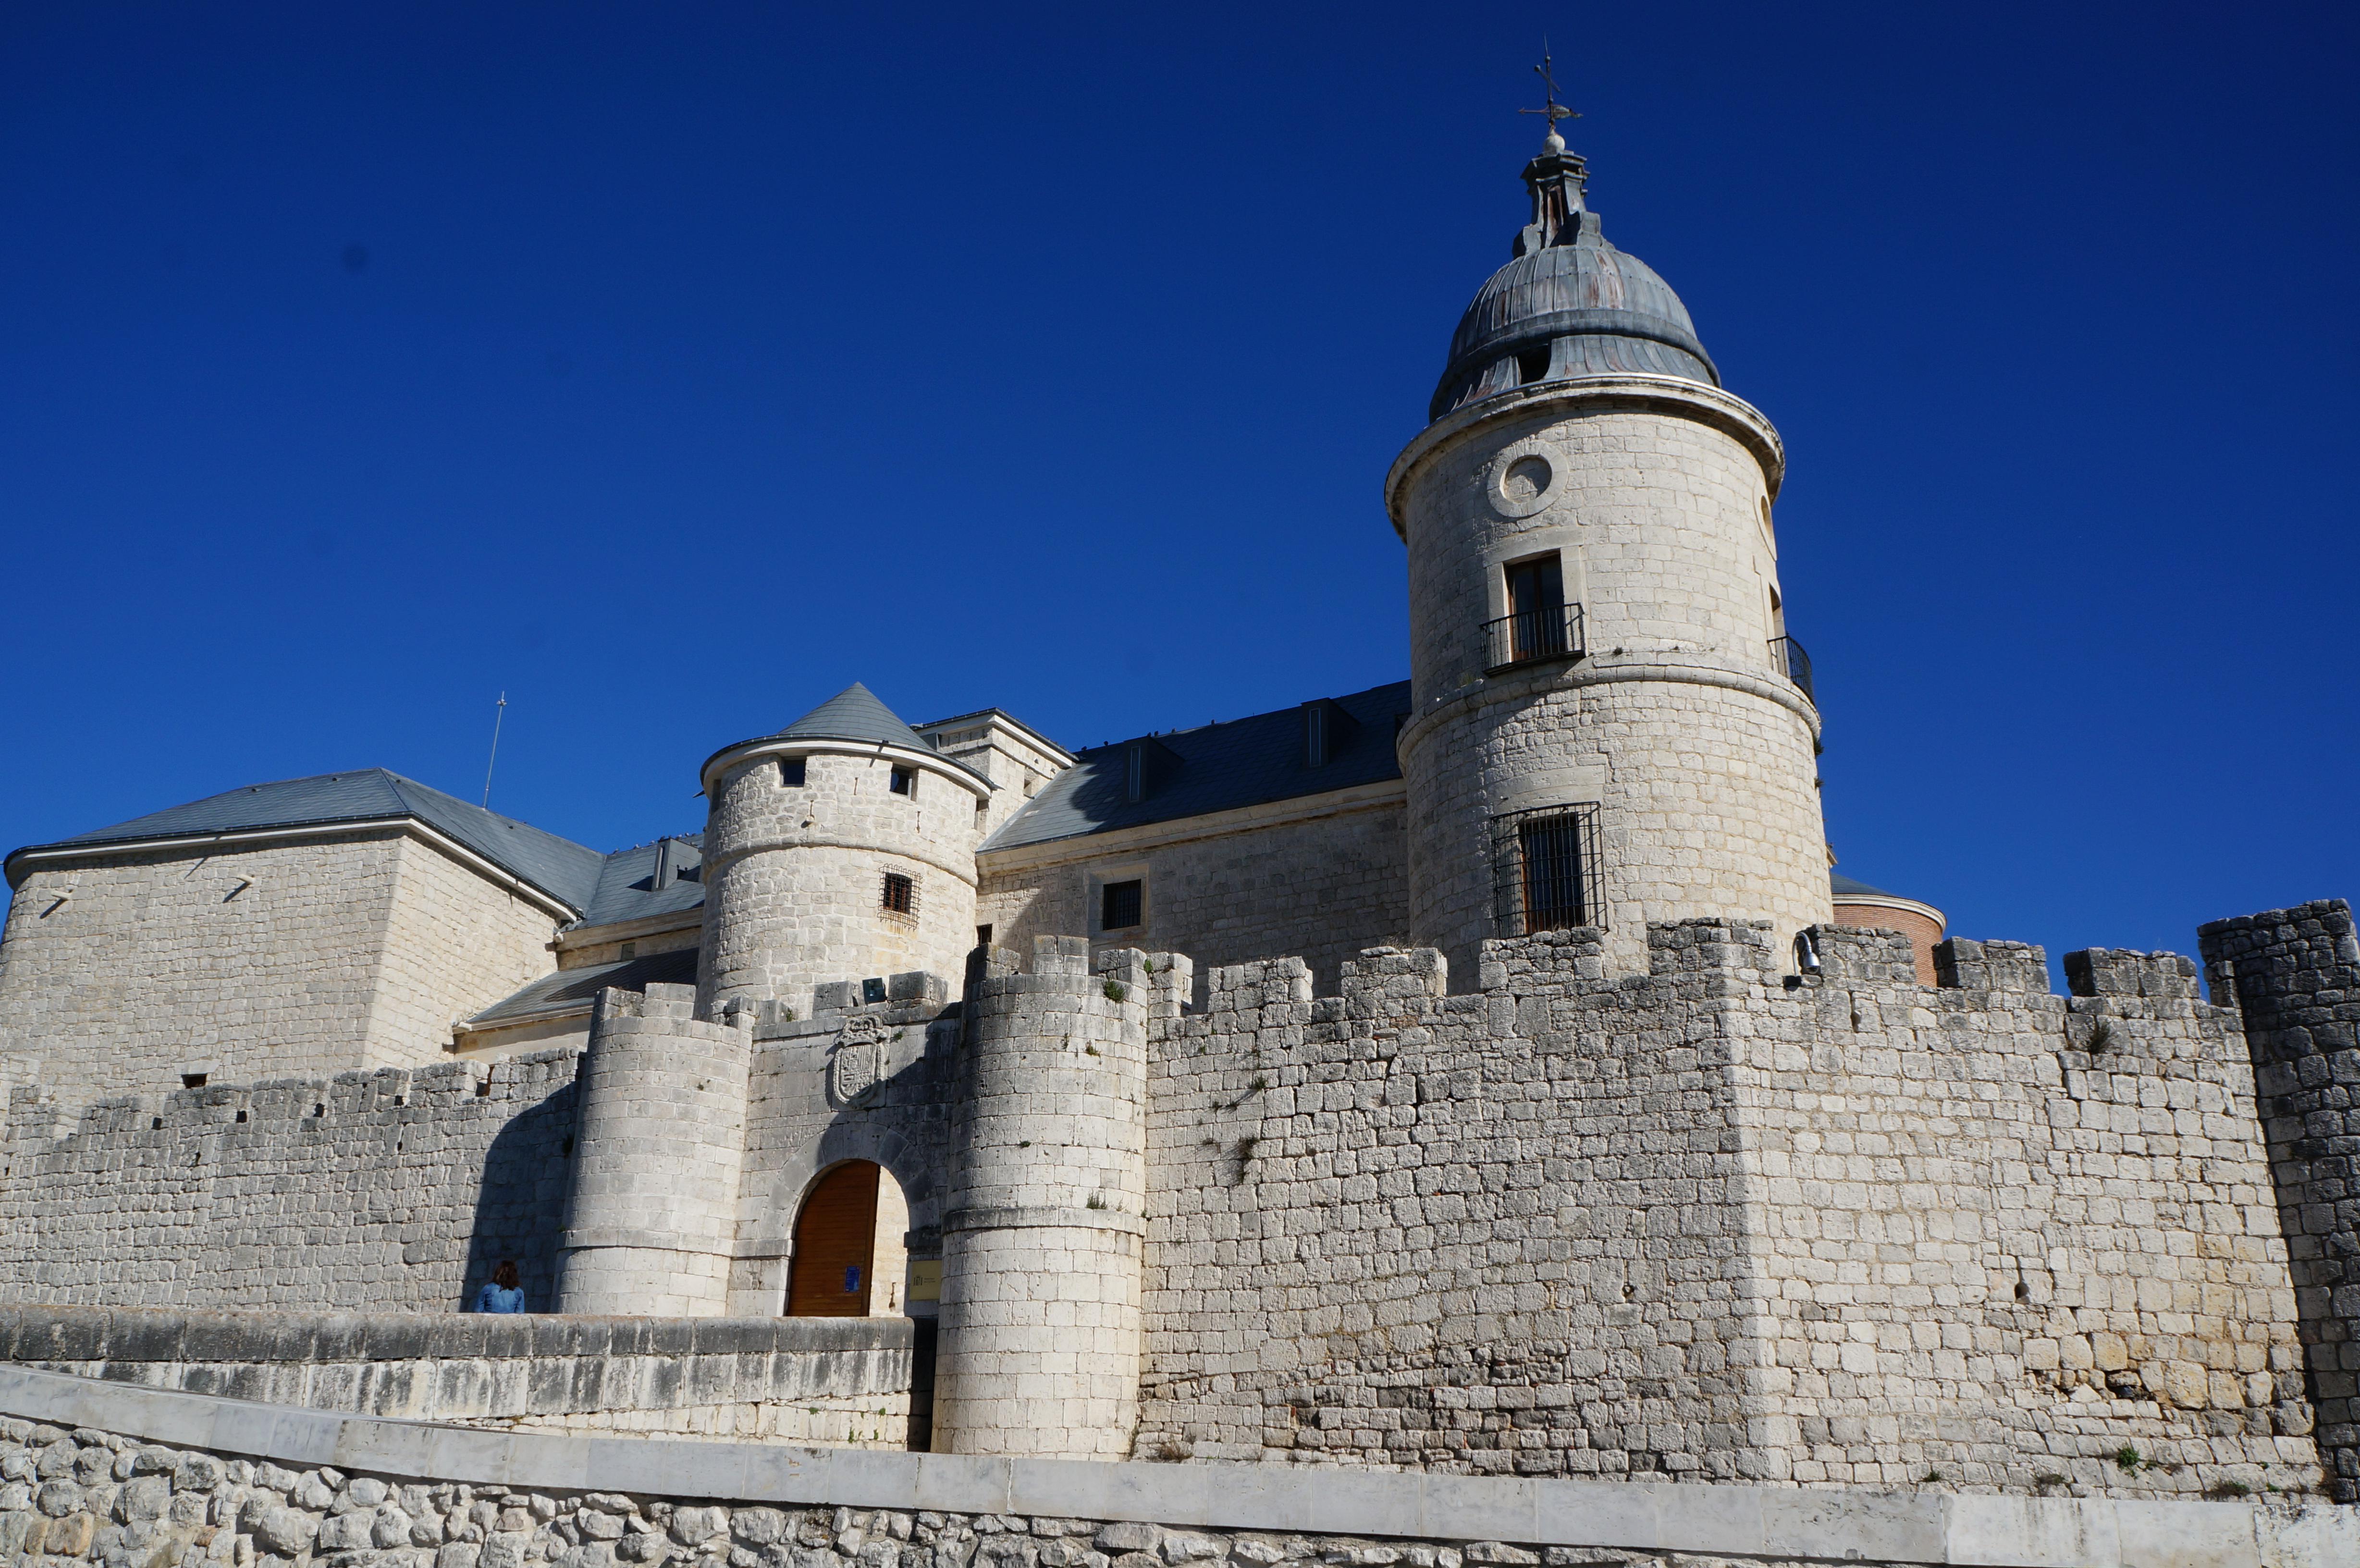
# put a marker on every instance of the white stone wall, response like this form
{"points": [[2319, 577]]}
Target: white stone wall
{"points": [[1322, 884], [1696, 1224], [454, 944], [652, 1224], [1705, 795], [1654, 499], [392, 1191], [1040, 1316], [337, 954], [799, 1126], [794, 878]]}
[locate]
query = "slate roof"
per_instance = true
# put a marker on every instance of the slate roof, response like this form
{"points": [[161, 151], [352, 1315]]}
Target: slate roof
{"points": [[1244, 762], [852, 714], [1842, 886], [566, 871], [626, 890], [580, 986]]}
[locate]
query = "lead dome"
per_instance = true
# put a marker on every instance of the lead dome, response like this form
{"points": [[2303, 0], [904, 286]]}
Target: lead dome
{"points": [[1569, 304]]}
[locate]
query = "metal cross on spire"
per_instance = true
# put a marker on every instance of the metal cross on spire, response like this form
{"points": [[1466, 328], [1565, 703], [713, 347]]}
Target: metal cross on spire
{"points": [[1555, 111]]}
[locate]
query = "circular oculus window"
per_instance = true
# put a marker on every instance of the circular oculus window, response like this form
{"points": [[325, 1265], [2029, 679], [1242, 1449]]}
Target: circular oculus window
{"points": [[1523, 482]]}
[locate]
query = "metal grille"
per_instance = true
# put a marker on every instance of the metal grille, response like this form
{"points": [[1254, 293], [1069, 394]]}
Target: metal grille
{"points": [[1794, 664], [1547, 870], [1529, 636], [1118, 905], [901, 894]]}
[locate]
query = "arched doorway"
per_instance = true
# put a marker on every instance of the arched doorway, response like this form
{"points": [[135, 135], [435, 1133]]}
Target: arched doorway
{"points": [[848, 1260]]}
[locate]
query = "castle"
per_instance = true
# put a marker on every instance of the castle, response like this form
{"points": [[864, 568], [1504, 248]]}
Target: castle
{"points": [[1478, 1073]]}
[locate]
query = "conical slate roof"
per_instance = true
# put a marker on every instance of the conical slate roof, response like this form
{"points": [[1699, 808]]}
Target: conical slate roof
{"points": [[564, 870], [853, 713]]}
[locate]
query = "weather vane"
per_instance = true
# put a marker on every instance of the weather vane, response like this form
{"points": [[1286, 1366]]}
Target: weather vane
{"points": [[1546, 71]]}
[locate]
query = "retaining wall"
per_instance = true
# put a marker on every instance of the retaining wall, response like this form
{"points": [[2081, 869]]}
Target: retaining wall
{"points": [[95, 1470]]}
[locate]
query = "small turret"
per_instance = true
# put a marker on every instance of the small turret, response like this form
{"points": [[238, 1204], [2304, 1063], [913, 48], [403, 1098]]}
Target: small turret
{"points": [[841, 848], [1045, 1229]]}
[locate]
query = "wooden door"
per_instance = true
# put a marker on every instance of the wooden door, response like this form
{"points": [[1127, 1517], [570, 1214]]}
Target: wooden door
{"points": [[835, 1244]]}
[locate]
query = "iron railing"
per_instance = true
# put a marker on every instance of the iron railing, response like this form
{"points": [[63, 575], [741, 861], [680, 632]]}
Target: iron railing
{"points": [[1794, 664], [1547, 870], [1533, 636]]}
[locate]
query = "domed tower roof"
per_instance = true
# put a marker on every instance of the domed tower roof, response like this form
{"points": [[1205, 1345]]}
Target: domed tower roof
{"points": [[1568, 305]]}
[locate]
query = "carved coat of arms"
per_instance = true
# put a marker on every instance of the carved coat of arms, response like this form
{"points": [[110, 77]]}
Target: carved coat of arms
{"points": [[852, 1066]]}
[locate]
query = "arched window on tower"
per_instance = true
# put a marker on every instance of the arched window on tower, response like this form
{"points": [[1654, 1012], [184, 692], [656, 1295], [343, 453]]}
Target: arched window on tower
{"points": [[849, 1260]]}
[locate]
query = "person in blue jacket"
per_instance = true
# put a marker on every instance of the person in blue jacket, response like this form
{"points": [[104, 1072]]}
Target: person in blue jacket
{"points": [[504, 1293]]}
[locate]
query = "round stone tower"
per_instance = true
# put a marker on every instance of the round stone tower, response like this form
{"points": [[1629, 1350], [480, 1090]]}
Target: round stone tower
{"points": [[1610, 725], [1045, 1227], [841, 848]]}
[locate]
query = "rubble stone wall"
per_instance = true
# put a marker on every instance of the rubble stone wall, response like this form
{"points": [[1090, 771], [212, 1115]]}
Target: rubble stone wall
{"points": [[122, 1475]]}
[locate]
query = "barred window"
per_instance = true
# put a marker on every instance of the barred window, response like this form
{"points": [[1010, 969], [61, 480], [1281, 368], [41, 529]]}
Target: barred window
{"points": [[901, 894], [1547, 870], [1118, 905]]}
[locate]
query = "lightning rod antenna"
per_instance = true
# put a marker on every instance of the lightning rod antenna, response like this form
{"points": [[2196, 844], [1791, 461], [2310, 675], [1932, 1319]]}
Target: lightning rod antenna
{"points": [[499, 713]]}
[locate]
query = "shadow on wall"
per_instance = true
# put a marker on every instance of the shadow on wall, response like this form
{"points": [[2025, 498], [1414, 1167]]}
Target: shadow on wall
{"points": [[521, 1207]]}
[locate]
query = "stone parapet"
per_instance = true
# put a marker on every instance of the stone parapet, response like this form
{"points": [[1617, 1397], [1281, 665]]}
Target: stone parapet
{"points": [[831, 1380]]}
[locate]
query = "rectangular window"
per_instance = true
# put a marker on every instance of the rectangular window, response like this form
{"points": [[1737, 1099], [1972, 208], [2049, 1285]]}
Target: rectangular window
{"points": [[983, 936], [901, 894], [1547, 870], [791, 772], [1118, 905], [904, 781], [1536, 609]]}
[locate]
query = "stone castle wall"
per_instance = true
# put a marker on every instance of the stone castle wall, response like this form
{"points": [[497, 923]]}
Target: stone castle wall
{"points": [[1322, 886], [2295, 974], [1699, 1223], [337, 954], [385, 1191]]}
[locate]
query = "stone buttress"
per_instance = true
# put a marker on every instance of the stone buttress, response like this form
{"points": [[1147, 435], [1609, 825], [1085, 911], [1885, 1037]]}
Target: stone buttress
{"points": [[1042, 1235], [659, 1148]]}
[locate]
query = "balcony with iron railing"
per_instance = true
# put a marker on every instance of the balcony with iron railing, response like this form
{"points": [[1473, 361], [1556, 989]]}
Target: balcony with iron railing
{"points": [[1792, 662], [1532, 636]]}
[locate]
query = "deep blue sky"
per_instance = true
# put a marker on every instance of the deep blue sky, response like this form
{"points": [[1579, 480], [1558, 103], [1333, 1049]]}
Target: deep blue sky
{"points": [[670, 367]]}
